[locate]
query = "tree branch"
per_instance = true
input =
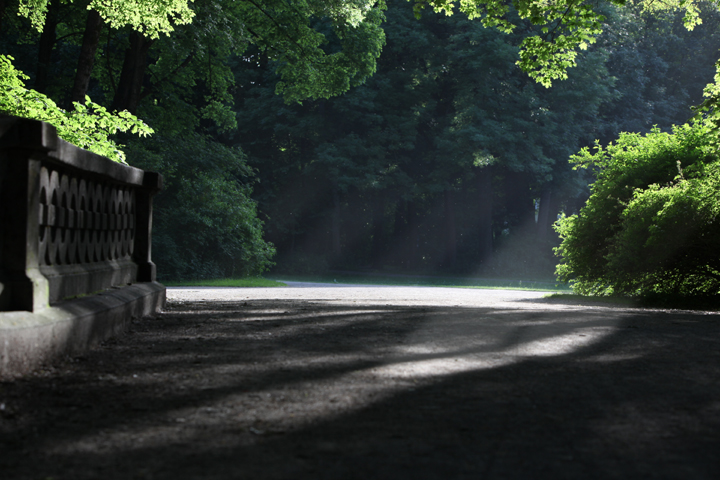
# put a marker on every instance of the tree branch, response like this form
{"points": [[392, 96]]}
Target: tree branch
{"points": [[151, 89]]}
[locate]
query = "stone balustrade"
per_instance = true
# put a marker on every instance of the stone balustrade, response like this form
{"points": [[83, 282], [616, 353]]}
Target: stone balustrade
{"points": [[73, 222], [75, 246]]}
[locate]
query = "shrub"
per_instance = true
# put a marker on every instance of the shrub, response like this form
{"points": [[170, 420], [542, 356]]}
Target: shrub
{"points": [[205, 223], [650, 225]]}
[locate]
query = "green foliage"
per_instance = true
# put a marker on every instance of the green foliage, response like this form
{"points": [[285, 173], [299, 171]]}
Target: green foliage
{"points": [[564, 28], [246, 282], [205, 224], [150, 17], [669, 237], [196, 62], [649, 226], [88, 126], [320, 49], [691, 17], [709, 109], [373, 165], [660, 68], [447, 106]]}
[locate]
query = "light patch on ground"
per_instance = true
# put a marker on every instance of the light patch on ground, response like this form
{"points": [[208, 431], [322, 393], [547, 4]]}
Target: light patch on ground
{"points": [[443, 343]]}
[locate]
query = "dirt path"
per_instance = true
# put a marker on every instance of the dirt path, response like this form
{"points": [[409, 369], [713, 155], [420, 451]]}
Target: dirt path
{"points": [[319, 382]]}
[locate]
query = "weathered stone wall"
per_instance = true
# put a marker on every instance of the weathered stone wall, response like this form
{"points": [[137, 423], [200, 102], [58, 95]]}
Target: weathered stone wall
{"points": [[77, 220], [73, 224]]}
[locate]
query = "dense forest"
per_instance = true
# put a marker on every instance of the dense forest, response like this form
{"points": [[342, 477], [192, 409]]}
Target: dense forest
{"points": [[450, 158], [422, 148]]}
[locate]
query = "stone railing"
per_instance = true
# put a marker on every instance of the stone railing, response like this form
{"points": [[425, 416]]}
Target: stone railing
{"points": [[73, 223]]}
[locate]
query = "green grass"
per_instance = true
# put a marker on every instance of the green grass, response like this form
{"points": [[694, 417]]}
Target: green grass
{"points": [[379, 279], [227, 282], [560, 293], [429, 281]]}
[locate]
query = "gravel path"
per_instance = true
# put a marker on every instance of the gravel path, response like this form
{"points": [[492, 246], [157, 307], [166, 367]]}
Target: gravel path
{"points": [[366, 382]]}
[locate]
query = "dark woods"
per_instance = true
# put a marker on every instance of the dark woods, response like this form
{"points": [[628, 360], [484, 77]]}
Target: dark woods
{"points": [[450, 158], [447, 159]]}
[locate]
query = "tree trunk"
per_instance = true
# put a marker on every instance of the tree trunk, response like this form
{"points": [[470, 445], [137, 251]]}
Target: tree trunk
{"points": [[400, 234], [544, 222], [413, 250], [129, 88], [3, 7], [485, 243], [518, 201], [336, 246], [45, 47], [450, 232], [378, 219], [91, 39]]}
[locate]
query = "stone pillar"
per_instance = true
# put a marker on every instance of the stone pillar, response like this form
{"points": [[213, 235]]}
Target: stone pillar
{"points": [[24, 142], [142, 253]]}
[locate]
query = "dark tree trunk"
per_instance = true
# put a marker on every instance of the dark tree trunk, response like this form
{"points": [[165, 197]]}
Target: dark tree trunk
{"points": [[400, 233], [485, 232], [129, 88], [413, 251], [45, 47], [91, 39], [543, 223], [336, 218], [378, 219], [3, 7], [518, 201], [450, 231]]}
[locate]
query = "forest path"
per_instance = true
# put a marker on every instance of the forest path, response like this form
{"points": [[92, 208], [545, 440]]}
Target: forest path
{"points": [[368, 382]]}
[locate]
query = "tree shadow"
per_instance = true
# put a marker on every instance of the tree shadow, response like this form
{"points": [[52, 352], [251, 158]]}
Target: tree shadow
{"points": [[306, 389], [704, 303]]}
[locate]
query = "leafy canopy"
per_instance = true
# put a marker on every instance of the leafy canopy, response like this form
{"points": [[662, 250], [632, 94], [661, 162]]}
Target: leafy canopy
{"points": [[149, 17], [88, 126], [320, 49], [562, 27]]}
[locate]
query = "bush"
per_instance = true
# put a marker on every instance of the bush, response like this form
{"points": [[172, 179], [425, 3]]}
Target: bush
{"points": [[205, 223], [650, 225]]}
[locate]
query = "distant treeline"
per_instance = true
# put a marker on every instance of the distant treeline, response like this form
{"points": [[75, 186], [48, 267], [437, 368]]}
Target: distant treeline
{"points": [[447, 158], [450, 158]]}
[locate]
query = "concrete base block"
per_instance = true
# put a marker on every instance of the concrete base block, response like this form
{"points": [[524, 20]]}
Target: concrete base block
{"points": [[29, 340]]}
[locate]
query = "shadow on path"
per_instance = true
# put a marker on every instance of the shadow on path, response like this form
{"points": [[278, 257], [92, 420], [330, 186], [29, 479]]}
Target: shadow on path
{"points": [[292, 389]]}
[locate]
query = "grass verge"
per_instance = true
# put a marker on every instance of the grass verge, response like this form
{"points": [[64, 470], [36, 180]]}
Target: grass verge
{"points": [[228, 282], [428, 281]]}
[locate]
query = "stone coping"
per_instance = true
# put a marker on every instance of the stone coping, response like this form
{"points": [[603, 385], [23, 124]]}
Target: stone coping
{"points": [[30, 340], [43, 136]]}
